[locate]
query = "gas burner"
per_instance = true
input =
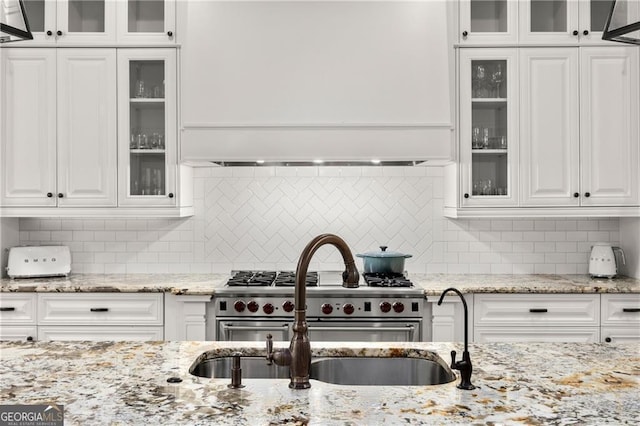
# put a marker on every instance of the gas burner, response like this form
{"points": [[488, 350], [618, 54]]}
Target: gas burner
{"points": [[288, 279], [386, 280], [252, 278]]}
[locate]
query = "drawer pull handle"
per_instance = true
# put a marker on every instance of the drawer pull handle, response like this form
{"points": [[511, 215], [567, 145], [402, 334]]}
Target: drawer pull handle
{"points": [[538, 310], [630, 309], [8, 309], [99, 309]]}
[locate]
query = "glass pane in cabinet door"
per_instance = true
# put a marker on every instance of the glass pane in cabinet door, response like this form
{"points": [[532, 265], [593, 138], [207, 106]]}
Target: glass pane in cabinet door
{"points": [[599, 11], [146, 16], [147, 159], [86, 16], [548, 16], [488, 16], [489, 79], [35, 14]]}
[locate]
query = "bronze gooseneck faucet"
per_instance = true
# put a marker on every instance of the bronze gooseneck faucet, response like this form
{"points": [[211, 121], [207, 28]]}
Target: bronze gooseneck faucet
{"points": [[298, 355], [464, 365]]}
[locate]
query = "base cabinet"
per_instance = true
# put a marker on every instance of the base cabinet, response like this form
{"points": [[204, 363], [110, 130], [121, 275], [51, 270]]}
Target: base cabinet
{"points": [[18, 316], [620, 318], [536, 318], [186, 317], [13, 332]]}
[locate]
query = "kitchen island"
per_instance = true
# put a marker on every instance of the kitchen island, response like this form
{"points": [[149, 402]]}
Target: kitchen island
{"points": [[126, 383]]}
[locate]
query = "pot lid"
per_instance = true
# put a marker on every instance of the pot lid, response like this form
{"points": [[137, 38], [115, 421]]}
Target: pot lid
{"points": [[383, 253]]}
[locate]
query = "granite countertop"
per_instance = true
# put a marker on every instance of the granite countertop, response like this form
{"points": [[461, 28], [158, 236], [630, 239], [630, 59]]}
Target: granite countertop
{"points": [[126, 383], [433, 284]]}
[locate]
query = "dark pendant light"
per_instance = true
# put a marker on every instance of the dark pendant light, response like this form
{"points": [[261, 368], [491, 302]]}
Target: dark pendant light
{"points": [[619, 26], [14, 25]]}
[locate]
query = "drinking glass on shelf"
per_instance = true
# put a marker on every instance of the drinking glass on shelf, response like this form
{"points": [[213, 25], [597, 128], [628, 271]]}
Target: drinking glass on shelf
{"points": [[139, 91], [496, 80], [485, 138], [476, 138], [479, 82]]}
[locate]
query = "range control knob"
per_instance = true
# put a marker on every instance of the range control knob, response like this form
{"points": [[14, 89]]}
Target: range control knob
{"points": [[398, 307], [348, 308], [385, 307], [239, 306], [288, 306], [326, 308], [268, 308], [253, 306]]}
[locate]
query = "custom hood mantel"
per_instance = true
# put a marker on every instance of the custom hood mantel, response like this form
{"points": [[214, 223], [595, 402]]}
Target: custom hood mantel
{"points": [[316, 80]]}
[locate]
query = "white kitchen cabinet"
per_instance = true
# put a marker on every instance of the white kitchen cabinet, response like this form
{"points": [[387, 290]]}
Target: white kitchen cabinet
{"points": [[620, 315], [100, 316], [566, 21], [72, 22], [488, 22], [18, 316], [579, 138], [447, 319], [147, 127], [186, 317], [64, 153], [536, 317], [146, 22], [488, 127]]}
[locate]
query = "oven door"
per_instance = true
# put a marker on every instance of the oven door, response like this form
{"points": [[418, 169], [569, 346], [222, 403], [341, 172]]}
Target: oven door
{"points": [[251, 330], [365, 330]]}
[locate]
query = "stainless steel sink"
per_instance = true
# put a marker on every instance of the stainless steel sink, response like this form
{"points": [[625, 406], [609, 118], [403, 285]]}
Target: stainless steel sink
{"points": [[252, 368], [356, 371], [381, 371]]}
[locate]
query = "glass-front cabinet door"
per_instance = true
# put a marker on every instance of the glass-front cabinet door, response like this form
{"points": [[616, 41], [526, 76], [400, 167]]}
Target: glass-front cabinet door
{"points": [[488, 121], [42, 21], [147, 127], [548, 21], [146, 21], [86, 21], [488, 21]]}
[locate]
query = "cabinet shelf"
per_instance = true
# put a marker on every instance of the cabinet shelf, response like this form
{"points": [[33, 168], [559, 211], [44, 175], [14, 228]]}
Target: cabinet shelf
{"points": [[146, 151], [483, 151], [143, 101], [489, 100]]}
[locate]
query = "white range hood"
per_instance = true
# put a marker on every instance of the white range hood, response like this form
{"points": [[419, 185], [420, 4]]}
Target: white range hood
{"points": [[309, 80]]}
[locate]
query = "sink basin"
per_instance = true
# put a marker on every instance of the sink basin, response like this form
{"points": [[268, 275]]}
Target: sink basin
{"points": [[252, 368], [356, 371], [381, 371]]}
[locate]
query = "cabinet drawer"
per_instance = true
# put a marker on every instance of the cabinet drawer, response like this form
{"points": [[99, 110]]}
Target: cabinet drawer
{"points": [[17, 308], [98, 333], [537, 334], [505, 310], [18, 332], [621, 309], [100, 309], [620, 334]]}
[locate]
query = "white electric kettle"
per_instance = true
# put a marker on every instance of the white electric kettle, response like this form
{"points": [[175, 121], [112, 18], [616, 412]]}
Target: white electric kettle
{"points": [[602, 262]]}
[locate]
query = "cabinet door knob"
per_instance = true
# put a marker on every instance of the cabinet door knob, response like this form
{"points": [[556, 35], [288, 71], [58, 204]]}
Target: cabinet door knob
{"points": [[466, 195], [587, 194], [60, 195], [29, 339], [171, 195], [575, 32], [59, 32], [465, 33], [170, 33], [49, 194], [607, 339], [49, 33], [585, 32], [576, 194]]}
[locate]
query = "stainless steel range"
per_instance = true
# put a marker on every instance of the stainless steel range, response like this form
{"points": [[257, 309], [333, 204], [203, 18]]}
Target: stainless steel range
{"points": [[256, 303]]}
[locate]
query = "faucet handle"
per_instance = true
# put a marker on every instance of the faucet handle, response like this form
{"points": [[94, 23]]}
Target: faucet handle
{"points": [[453, 360], [269, 349]]}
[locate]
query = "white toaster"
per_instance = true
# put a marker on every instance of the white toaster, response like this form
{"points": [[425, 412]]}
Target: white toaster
{"points": [[39, 261]]}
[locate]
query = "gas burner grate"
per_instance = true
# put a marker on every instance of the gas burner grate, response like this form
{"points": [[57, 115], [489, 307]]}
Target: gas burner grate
{"points": [[386, 280], [252, 278], [288, 279]]}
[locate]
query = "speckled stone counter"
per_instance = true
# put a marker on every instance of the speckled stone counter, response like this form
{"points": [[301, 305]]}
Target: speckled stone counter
{"points": [[126, 383], [433, 284]]}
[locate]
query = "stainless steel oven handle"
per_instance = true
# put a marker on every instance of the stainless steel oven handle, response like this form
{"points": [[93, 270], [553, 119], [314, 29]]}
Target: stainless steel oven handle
{"points": [[409, 328], [228, 329]]}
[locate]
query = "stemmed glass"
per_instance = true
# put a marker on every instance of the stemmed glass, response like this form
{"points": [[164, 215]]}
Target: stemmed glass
{"points": [[496, 79]]}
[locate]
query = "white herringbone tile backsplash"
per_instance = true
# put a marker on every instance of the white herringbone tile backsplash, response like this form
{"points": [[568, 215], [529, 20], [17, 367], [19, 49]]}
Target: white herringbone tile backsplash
{"points": [[261, 218]]}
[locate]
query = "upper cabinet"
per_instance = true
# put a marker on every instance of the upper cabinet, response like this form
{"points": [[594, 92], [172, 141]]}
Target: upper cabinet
{"points": [[101, 22], [537, 21], [488, 21]]}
